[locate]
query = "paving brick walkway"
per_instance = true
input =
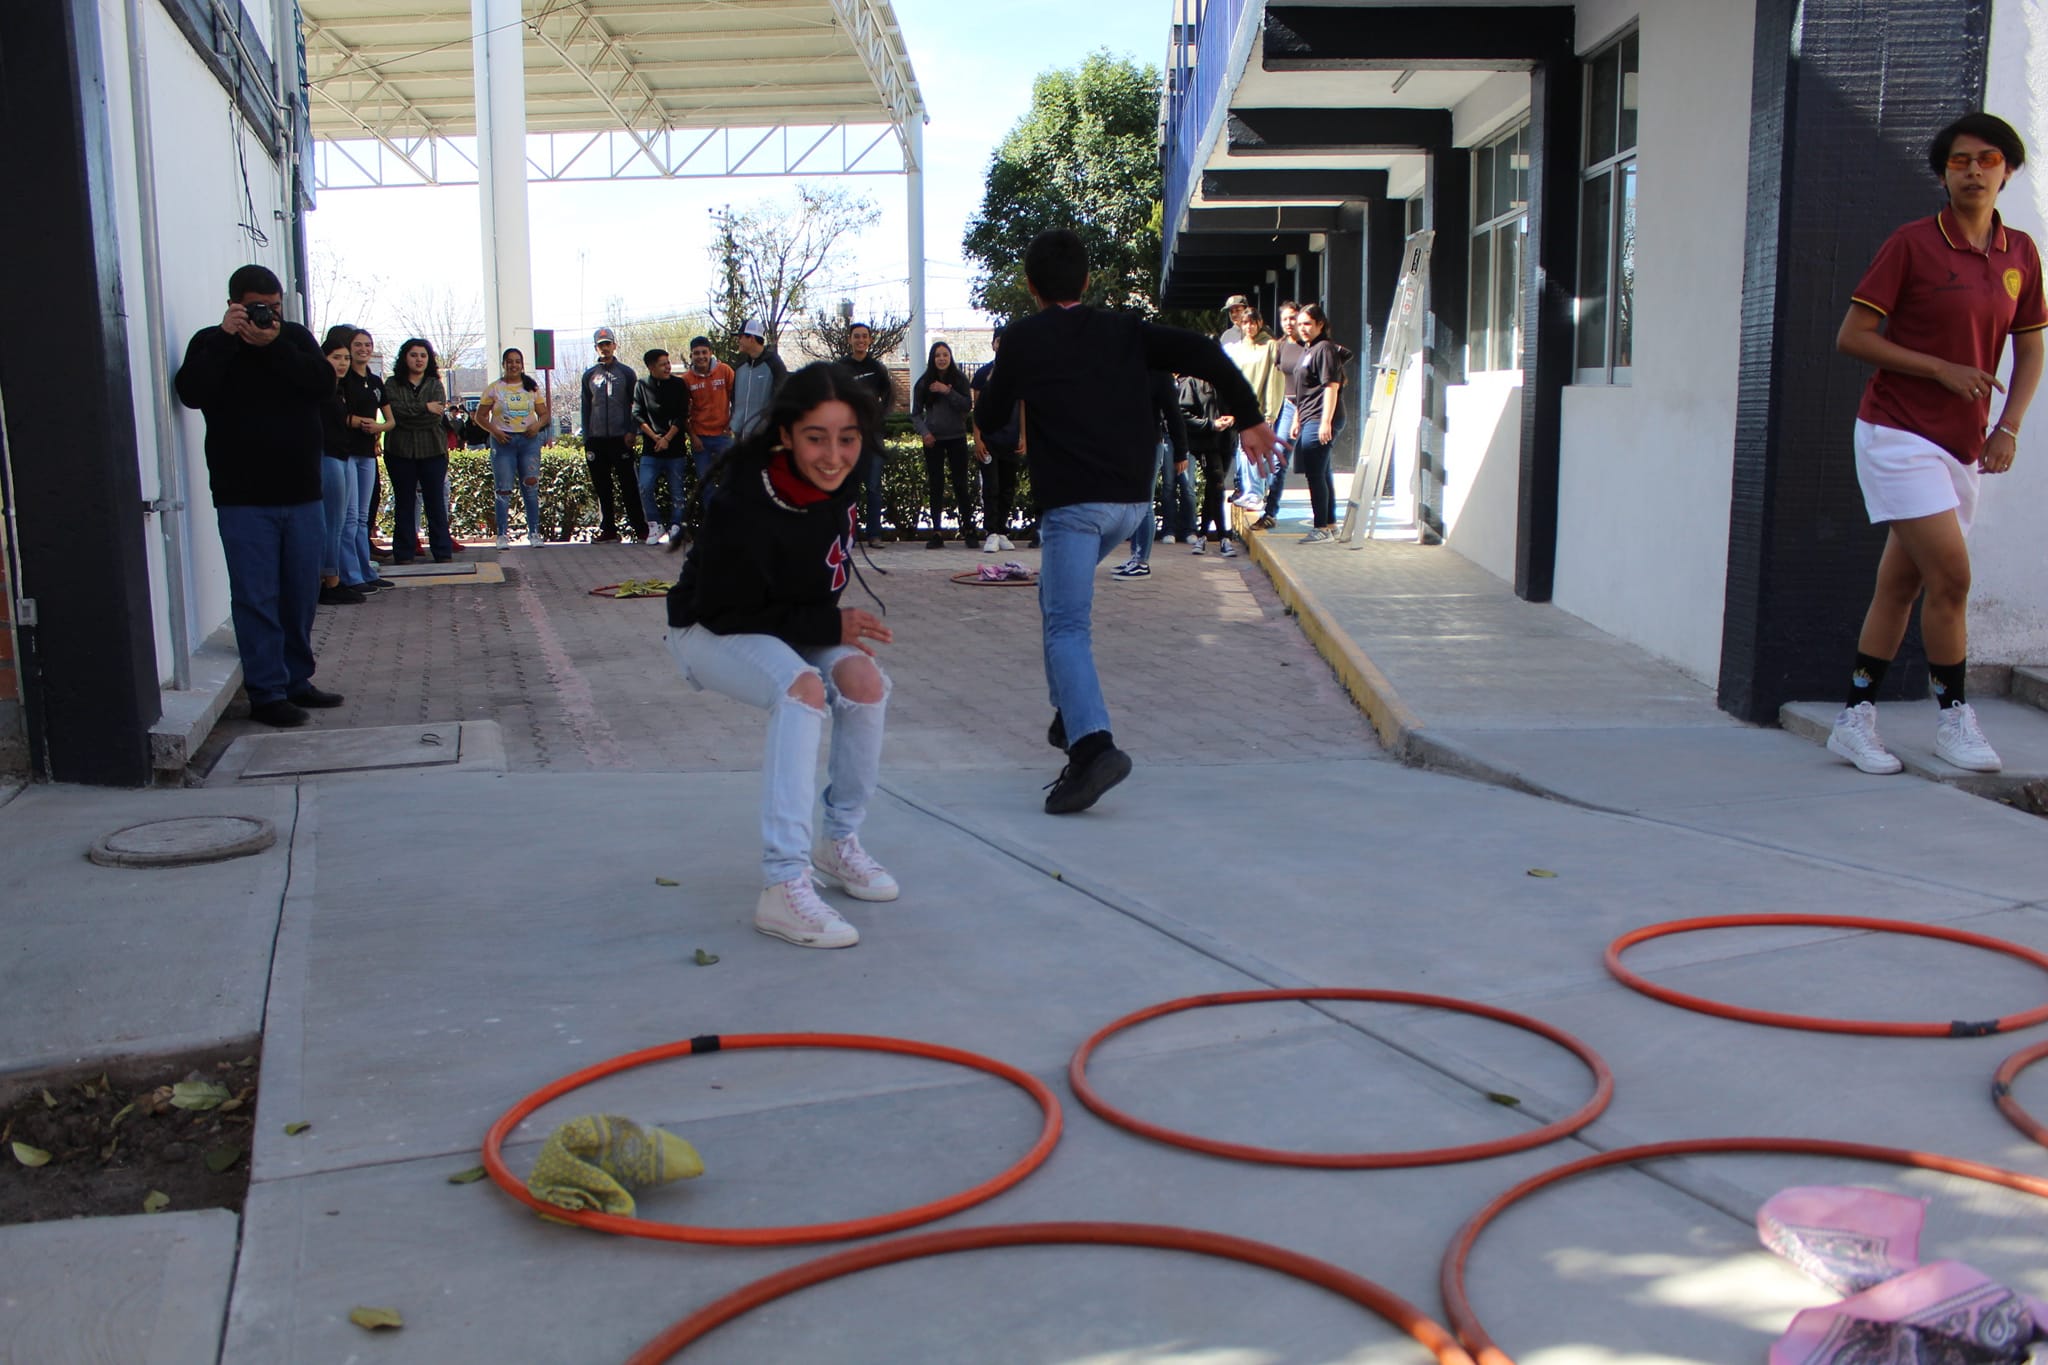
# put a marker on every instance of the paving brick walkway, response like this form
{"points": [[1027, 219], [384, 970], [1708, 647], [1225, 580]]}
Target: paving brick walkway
{"points": [[1200, 662]]}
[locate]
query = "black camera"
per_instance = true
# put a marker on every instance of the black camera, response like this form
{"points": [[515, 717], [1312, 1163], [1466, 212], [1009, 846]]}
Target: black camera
{"points": [[261, 316]]}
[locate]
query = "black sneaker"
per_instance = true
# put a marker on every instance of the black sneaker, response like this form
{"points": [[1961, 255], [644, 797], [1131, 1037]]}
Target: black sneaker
{"points": [[280, 713], [1264, 524], [310, 695], [1056, 733], [1080, 786], [338, 596]]}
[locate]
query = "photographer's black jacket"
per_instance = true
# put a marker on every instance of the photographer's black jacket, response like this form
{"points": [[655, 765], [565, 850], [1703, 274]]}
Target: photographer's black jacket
{"points": [[772, 558], [262, 406]]}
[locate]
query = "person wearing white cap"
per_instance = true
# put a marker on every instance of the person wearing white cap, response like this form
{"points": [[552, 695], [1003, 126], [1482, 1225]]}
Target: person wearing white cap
{"points": [[757, 375], [607, 425]]}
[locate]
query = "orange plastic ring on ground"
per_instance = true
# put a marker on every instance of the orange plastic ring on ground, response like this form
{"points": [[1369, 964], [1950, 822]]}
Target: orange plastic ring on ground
{"points": [[1336, 1279], [1488, 1352], [1049, 1134], [1603, 1088], [2001, 1092], [1959, 1028]]}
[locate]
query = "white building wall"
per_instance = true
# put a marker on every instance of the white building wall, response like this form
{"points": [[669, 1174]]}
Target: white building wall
{"points": [[2008, 547], [201, 202], [1483, 417], [1646, 466]]}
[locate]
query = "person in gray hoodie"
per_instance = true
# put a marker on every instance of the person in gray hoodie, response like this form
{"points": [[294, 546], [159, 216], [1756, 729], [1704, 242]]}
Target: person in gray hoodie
{"points": [[756, 377], [941, 406], [607, 426]]}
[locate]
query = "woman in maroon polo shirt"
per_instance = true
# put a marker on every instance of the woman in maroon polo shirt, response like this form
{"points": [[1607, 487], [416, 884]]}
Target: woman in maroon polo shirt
{"points": [[1932, 314]]}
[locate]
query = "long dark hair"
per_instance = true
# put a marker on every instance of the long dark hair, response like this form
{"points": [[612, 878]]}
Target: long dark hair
{"points": [[821, 381], [433, 370], [952, 374], [524, 378], [342, 334], [1315, 313]]}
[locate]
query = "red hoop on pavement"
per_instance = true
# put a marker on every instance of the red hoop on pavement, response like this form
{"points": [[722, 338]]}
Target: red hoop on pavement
{"points": [[1383, 1302], [1452, 1275], [1048, 1136], [1959, 1028], [1603, 1088], [2001, 1092]]}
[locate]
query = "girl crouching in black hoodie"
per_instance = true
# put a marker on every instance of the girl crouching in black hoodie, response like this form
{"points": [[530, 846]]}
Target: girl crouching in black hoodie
{"points": [[755, 615]]}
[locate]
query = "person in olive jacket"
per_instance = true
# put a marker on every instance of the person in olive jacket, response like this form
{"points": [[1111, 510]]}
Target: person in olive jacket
{"points": [[416, 452]]}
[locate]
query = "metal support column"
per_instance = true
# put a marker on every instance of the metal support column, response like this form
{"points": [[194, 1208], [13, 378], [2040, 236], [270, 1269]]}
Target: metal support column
{"points": [[913, 193], [500, 66]]}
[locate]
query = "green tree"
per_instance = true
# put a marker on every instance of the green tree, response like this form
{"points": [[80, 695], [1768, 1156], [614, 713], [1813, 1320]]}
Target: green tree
{"points": [[1086, 157]]}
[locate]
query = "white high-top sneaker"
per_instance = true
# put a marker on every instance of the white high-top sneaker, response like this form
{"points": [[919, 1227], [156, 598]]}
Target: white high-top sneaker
{"points": [[793, 910], [844, 863], [1855, 738], [1959, 742]]}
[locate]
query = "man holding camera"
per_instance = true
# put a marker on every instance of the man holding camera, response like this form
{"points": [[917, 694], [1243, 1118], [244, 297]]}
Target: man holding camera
{"points": [[260, 382]]}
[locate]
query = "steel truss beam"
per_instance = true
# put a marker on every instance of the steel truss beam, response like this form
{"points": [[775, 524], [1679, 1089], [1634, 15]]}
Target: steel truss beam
{"points": [[886, 66], [595, 55], [683, 154]]}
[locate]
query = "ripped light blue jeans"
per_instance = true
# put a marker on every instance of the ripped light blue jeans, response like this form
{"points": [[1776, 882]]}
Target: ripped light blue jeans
{"points": [[759, 670]]}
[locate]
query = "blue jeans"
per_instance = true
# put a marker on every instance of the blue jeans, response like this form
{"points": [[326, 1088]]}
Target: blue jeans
{"points": [[365, 467], [759, 670], [1312, 457], [653, 467], [1177, 498], [336, 480], [1277, 482], [870, 476], [516, 463], [708, 449], [273, 558], [1074, 539]]}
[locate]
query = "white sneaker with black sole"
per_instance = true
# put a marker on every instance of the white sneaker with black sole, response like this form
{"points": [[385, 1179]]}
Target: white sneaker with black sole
{"points": [[1959, 743], [794, 912], [1201, 547], [1855, 738], [845, 864], [1133, 567], [1229, 550]]}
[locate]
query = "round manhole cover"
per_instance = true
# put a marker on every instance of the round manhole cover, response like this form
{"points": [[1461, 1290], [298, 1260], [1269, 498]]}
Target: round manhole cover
{"points": [[179, 843]]}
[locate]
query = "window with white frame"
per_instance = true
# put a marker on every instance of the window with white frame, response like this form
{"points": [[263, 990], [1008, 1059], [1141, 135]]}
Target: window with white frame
{"points": [[1607, 216], [1500, 228]]}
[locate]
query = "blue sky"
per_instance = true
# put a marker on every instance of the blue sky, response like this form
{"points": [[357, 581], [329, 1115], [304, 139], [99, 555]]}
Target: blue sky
{"points": [[644, 242]]}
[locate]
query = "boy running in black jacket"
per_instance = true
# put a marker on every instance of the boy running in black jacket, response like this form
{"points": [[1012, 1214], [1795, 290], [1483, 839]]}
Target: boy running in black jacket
{"points": [[1083, 374]]}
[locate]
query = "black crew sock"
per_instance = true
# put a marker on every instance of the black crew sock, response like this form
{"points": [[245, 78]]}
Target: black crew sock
{"points": [[1866, 679], [1948, 682], [1089, 747]]}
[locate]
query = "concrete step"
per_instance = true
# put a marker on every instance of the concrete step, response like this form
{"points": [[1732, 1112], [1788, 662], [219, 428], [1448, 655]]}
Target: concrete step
{"points": [[2018, 732], [2030, 685]]}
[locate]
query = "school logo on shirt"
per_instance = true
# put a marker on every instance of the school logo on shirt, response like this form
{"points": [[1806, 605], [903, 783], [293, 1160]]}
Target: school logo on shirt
{"points": [[2012, 283], [841, 553]]}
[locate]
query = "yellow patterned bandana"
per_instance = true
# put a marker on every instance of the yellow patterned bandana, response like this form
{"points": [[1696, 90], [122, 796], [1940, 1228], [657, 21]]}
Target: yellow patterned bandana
{"points": [[594, 1163]]}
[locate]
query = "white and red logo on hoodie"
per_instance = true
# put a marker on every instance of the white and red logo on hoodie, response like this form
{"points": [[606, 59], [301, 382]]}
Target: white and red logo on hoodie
{"points": [[841, 553]]}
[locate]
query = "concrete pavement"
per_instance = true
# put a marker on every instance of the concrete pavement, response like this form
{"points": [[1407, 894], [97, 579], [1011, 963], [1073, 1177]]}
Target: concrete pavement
{"points": [[425, 946]]}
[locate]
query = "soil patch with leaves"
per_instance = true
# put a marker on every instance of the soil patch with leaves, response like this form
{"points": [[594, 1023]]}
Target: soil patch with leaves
{"points": [[173, 1136]]}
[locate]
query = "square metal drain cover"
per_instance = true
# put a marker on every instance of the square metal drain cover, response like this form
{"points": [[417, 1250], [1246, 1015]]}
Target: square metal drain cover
{"points": [[314, 753]]}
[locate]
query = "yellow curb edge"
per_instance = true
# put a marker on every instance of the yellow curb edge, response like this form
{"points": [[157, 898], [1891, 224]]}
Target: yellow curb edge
{"points": [[1398, 727]]}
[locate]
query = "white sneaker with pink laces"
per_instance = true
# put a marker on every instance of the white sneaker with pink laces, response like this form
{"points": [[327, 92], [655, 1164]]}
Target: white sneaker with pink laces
{"points": [[845, 864]]}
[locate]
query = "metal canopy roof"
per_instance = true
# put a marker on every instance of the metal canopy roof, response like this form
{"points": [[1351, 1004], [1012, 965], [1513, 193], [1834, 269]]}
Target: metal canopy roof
{"points": [[615, 89]]}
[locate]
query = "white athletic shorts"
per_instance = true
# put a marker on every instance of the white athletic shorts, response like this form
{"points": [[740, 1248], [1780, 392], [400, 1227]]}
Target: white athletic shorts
{"points": [[1905, 476]]}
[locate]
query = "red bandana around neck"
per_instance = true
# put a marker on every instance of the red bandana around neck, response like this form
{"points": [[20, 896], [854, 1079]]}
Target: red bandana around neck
{"points": [[789, 485]]}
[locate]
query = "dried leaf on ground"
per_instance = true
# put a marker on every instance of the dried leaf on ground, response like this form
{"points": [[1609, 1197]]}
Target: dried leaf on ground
{"points": [[220, 1158], [156, 1201], [666, 881], [371, 1319], [294, 1129], [1541, 872], [49, 1100], [1498, 1098], [30, 1156], [468, 1177], [705, 959]]}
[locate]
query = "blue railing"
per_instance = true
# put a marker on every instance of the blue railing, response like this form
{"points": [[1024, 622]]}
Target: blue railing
{"points": [[1199, 68]]}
